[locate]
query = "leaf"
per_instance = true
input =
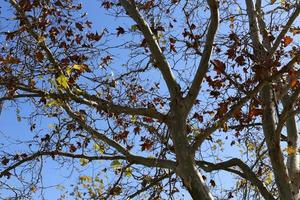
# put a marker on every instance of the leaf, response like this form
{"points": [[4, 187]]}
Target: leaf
{"points": [[79, 26], [273, 1], [295, 30], [128, 172], [83, 161], [81, 67], [39, 56], [134, 27], [120, 31], [147, 145], [40, 39], [62, 80], [287, 40], [116, 164], [4, 161], [212, 183], [98, 148], [33, 189], [219, 66], [291, 150], [269, 178], [85, 179]]}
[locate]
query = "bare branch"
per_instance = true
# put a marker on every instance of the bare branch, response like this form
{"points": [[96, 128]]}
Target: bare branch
{"points": [[156, 51], [288, 25], [203, 65], [247, 173]]}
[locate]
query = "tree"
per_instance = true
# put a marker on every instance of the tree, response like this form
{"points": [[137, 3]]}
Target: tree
{"points": [[168, 96]]}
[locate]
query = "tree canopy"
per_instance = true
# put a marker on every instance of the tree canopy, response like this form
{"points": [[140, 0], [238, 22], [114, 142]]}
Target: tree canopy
{"points": [[152, 99]]}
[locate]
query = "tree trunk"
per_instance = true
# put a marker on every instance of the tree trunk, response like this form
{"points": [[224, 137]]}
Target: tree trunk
{"points": [[186, 167], [273, 143], [293, 159]]}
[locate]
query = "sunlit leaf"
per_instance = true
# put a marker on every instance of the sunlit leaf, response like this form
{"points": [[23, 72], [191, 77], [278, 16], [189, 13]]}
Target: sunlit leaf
{"points": [[62, 80]]}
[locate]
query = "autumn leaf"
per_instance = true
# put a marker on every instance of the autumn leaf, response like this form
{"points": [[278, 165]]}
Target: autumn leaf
{"points": [[40, 39], [39, 56], [120, 31], [295, 30], [79, 26], [147, 145], [83, 161], [85, 179], [62, 80], [287, 40], [254, 112], [4, 161], [219, 66], [212, 183], [291, 150]]}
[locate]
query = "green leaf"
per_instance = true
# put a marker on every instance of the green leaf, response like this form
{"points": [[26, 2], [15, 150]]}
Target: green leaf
{"points": [[99, 148], [128, 172], [62, 80], [134, 27], [115, 164]]}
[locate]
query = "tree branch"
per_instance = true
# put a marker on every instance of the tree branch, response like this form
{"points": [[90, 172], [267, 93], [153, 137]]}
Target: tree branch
{"points": [[247, 173], [149, 162], [289, 23], [156, 51], [204, 62], [208, 131]]}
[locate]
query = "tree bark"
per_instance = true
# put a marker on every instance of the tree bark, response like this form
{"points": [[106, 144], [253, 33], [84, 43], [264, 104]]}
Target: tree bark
{"points": [[273, 143], [186, 166], [293, 159]]}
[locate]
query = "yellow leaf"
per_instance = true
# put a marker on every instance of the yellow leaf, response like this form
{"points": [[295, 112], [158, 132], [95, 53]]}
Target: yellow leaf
{"points": [[273, 1], [78, 67], [291, 150], [68, 71], [33, 189], [99, 148], [40, 39], [83, 161], [85, 179], [62, 80], [269, 178], [128, 172]]}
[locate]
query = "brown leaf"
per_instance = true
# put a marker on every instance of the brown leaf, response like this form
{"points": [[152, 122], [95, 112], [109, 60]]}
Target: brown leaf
{"points": [[219, 66], [147, 145], [79, 26], [212, 183], [4, 161], [240, 60], [39, 56], [120, 31]]}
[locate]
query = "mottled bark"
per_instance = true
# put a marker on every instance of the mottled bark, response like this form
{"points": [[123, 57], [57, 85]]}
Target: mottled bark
{"points": [[293, 158], [186, 166], [273, 143]]}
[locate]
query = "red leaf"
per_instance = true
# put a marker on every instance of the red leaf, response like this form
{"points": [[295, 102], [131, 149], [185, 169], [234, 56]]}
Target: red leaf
{"points": [[147, 145], [254, 112]]}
